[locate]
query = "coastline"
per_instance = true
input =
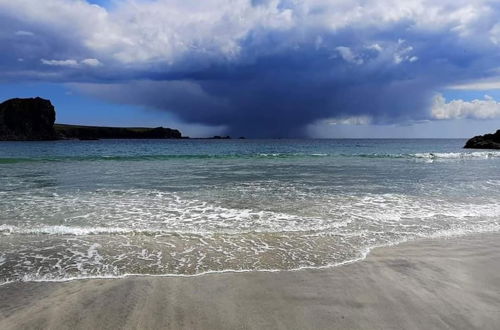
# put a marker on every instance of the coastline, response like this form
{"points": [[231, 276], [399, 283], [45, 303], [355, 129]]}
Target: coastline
{"points": [[432, 283]]}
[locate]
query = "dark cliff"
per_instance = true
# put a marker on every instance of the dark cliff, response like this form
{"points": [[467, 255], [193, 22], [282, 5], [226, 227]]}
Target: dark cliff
{"points": [[487, 141], [33, 119], [27, 119]]}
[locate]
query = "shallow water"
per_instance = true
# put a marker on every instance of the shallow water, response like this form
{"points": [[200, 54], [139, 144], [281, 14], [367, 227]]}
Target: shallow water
{"points": [[72, 209]]}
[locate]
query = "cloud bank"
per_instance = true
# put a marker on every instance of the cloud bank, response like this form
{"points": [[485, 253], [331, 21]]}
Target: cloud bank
{"points": [[458, 109], [258, 67]]}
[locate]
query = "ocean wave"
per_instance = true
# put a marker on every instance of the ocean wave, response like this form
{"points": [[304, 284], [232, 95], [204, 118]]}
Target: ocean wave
{"points": [[131, 158], [67, 230], [458, 155], [153, 212], [97, 158], [433, 155], [13, 160], [361, 255]]}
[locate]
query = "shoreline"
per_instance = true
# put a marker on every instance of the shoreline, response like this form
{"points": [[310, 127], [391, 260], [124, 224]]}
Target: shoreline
{"points": [[364, 255], [431, 283]]}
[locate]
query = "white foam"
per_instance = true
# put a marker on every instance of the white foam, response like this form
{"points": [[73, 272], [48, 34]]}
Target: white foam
{"points": [[459, 155], [363, 254], [63, 230], [166, 234]]}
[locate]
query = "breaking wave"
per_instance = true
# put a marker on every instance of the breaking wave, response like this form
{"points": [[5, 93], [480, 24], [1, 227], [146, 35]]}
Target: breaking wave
{"points": [[131, 158], [115, 233]]}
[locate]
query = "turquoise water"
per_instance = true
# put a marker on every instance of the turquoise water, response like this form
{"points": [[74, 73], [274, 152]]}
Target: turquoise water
{"points": [[77, 209]]}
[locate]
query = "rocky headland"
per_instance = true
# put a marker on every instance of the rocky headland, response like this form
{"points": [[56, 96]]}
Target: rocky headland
{"points": [[96, 132], [32, 119], [487, 141]]}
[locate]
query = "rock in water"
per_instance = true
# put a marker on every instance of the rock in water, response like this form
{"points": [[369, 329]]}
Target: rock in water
{"points": [[487, 141], [27, 119]]}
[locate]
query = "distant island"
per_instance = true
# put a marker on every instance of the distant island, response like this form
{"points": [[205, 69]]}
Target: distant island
{"points": [[487, 141], [33, 119]]}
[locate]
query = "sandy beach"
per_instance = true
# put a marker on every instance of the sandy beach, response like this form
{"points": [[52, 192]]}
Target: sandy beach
{"points": [[431, 284]]}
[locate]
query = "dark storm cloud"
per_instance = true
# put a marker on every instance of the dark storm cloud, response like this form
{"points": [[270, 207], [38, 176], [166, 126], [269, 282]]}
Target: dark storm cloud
{"points": [[272, 72], [278, 94]]}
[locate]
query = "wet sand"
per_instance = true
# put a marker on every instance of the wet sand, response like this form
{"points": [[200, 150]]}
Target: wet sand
{"points": [[431, 284]]}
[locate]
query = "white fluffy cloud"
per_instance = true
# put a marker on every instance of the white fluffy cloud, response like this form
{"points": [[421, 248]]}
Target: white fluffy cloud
{"points": [[348, 55], [91, 62], [487, 108], [68, 63], [150, 31]]}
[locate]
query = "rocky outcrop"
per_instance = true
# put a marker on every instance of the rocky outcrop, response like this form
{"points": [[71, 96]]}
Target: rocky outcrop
{"points": [[96, 132], [33, 119], [487, 141], [27, 120], [218, 137]]}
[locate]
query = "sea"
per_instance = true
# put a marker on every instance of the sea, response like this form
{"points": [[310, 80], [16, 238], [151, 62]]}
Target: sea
{"points": [[114, 208]]}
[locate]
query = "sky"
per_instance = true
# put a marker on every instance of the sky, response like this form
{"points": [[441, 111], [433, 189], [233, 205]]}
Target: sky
{"points": [[260, 68]]}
